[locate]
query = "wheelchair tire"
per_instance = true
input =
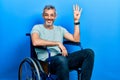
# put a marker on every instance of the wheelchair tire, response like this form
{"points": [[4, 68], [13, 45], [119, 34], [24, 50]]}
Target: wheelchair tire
{"points": [[28, 70]]}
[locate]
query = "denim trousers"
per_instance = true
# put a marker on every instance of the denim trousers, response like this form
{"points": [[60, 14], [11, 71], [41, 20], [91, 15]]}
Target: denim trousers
{"points": [[83, 59]]}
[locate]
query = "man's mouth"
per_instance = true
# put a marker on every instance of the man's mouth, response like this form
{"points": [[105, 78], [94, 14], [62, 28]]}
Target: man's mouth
{"points": [[50, 20]]}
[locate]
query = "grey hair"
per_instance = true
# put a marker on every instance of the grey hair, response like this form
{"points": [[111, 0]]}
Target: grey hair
{"points": [[48, 7]]}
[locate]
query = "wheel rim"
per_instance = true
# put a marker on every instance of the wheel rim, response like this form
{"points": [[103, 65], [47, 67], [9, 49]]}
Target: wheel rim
{"points": [[28, 70]]}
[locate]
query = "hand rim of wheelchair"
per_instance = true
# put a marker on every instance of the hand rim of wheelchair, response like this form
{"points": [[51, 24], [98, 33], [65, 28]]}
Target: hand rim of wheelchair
{"points": [[30, 61]]}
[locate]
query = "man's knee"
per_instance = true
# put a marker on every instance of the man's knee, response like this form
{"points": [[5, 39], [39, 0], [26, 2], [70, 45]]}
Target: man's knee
{"points": [[62, 63], [90, 52], [62, 60]]}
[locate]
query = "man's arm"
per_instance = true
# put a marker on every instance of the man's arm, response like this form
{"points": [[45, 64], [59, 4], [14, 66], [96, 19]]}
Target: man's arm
{"points": [[76, 36], [37, 41]]}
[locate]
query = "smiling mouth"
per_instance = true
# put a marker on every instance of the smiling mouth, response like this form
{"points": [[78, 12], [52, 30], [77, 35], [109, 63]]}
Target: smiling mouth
{"points": [[49, 21]]}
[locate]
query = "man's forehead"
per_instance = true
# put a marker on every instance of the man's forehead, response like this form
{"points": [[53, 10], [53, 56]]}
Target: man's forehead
{"points": [[49, 11]]}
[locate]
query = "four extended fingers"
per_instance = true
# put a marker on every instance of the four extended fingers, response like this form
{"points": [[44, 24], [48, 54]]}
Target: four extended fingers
{"points": [[77, 8]]}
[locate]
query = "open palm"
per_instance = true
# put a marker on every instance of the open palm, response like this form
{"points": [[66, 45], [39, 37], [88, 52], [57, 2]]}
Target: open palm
{"points": [[77, 12]]}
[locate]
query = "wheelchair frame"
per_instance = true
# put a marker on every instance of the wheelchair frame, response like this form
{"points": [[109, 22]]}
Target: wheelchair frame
{"points": [[37, 68]]}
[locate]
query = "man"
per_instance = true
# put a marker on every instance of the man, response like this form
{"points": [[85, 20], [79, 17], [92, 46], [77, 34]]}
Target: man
{"points": [[52, 36]]}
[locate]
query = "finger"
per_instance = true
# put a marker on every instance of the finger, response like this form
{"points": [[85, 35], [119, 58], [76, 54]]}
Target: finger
{"points": [[63, 53], [76, 8], [66, 54], [81, 10]]}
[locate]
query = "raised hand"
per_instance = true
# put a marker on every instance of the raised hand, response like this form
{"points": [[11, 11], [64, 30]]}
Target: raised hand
{"points": [[77, 12]]}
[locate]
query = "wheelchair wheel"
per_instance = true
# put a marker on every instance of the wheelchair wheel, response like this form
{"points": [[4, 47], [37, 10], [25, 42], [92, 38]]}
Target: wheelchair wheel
{"points": [[28, 70]]}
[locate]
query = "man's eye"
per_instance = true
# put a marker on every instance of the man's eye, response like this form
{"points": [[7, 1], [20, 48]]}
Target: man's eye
{"points": [[52, 15], [45, 15]]}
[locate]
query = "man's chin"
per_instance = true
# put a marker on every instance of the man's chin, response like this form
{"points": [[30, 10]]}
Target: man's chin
{"points": [[48, 24]]}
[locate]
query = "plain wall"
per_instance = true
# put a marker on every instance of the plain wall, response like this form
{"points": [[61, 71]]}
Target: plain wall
{"points": [[100, 31]]}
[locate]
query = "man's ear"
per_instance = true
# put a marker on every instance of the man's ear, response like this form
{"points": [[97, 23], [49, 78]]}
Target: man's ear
{"points": [[55, 16], [43, 15]]}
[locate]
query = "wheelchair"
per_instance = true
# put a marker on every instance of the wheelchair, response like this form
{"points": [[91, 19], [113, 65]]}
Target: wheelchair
{"points": [[33, 69]]}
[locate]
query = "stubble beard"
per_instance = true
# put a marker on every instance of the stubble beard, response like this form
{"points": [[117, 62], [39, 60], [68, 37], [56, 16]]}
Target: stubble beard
{"points": [[49, 24]]}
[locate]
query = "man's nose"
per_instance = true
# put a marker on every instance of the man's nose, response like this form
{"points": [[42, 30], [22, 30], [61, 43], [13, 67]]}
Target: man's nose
{"points": [[49, 17]]}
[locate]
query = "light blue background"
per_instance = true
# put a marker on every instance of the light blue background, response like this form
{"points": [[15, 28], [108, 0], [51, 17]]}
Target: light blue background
{"points": [[100, 30]]}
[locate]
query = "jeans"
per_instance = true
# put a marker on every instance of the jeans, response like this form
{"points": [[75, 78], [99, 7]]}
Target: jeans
{"points": [[61, 65]]}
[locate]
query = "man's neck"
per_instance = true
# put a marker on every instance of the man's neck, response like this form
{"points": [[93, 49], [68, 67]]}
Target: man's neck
{"points": [[48, 27]]}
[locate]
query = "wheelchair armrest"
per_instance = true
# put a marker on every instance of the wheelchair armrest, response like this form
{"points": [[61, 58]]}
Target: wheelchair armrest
{"points": [[73, 43]]}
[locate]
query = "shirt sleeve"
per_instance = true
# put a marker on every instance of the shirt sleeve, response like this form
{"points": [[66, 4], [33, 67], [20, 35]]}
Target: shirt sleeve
{"points": [[64, 30], [35, 29]]}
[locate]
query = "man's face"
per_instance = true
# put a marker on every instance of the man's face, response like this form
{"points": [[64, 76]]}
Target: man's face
{"points": [[49, 16]]}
